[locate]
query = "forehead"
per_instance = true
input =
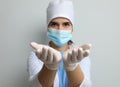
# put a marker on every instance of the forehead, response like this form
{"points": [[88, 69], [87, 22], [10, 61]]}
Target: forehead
{"points": [[60, 19]]}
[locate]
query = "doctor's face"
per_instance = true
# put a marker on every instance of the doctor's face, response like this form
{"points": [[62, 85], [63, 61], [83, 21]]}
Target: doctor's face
{"points": [[60, 24]]}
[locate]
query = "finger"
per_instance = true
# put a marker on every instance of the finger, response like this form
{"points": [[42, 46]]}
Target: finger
{"points": [[86, 46], [86, 53], [69, 58], [38, 53], [74, 55], [80, 53], [44, 54], [65, 56], [49, 56], [34, 45], [56, 57], [38, 50]]}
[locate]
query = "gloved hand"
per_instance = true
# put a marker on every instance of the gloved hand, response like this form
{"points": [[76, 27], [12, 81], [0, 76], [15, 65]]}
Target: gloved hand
{"points": [[72, 57], [48, 55]]}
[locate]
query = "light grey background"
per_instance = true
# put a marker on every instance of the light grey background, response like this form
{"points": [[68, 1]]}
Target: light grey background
{"points": [[23, 21]]}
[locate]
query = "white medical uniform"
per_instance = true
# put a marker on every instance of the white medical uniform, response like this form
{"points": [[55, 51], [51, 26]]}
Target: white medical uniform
{"points": [[34, 65]]}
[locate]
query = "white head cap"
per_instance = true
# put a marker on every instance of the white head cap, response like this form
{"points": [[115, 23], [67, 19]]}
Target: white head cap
{"points": [[60, 8]]}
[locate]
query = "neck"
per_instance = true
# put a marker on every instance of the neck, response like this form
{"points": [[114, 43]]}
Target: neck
{"points": [[59, 48]]}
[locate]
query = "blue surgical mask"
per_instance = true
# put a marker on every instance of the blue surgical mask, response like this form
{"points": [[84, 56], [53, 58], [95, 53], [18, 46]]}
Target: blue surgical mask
{"points": [[59, 37]]}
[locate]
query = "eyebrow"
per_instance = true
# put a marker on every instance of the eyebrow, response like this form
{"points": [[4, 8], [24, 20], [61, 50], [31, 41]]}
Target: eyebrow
{"points": [[58, 23], [53, 22], [67, 22]]}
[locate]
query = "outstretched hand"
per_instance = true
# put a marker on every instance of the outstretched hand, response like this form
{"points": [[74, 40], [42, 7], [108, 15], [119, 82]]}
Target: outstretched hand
{"points": [[48, 55], [73, 56]]}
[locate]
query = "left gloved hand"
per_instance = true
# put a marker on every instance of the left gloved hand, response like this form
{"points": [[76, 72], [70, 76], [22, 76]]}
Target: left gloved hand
{"points": [[73, 56]]}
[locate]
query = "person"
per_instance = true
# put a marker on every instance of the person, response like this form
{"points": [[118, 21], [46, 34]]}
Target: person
{"points": [[61, 63]]}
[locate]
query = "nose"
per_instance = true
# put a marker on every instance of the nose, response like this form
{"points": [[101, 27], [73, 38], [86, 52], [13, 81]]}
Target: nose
{"points": [[60, 27]]}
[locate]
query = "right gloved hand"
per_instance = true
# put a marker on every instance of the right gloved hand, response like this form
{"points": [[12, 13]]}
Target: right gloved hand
{"points": [[48, 55]]}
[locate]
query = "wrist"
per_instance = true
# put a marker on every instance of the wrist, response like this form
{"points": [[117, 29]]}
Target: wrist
{"points": [[70, 67], [52, 66]]}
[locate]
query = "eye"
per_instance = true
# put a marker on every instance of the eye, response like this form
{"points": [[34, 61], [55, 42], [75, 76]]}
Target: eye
{"points": [[67, 24], [53, 24]]}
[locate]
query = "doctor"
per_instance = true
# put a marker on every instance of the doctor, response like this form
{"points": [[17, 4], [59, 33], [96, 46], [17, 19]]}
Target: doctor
{"points": [[61, 64]]}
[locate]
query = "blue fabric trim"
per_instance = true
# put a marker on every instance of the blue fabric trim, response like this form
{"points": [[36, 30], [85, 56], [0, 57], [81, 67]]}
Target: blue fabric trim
{"points": [[63, 80]]}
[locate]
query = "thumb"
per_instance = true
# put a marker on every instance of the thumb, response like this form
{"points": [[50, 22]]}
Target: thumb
{"points": [[35, 45], [86, 46]]}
